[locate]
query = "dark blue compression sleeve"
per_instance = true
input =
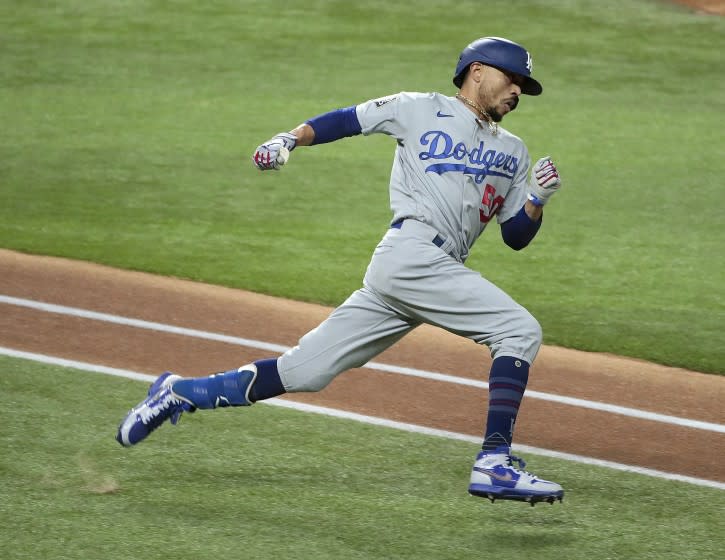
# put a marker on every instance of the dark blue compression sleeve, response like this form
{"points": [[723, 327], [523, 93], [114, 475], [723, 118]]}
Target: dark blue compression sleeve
{"points": [[518, 231], [334, 125]]}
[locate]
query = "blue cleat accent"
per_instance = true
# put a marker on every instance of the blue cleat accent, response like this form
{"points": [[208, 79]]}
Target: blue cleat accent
{"points": [[494, 476]]}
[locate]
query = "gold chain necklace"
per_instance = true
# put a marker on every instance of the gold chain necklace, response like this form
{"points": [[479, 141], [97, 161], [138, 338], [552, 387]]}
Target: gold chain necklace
{"points": [[492, 126]]}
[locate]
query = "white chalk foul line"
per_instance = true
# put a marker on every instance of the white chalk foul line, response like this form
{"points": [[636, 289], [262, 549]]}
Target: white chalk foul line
{"points": [[277, 348], [414, 428]]}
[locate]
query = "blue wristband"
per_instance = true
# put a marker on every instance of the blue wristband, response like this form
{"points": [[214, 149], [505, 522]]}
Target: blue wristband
{"points": [[535, 200]]}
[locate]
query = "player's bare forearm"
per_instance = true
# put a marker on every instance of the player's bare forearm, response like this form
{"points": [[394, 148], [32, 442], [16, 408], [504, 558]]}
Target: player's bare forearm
{"points": [[533, 211], [305, 134]]}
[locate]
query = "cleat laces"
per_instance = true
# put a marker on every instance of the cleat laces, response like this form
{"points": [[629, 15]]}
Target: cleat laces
{"points": [[153, 414], [521, 465]]}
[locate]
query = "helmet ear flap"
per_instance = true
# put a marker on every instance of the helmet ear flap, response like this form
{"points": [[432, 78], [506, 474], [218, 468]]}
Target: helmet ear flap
{"points": [[458, 79]]}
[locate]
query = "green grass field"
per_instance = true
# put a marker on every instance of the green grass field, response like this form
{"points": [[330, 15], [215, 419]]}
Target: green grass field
{"points": [[127, 132], [266, 482], [128, 129]]}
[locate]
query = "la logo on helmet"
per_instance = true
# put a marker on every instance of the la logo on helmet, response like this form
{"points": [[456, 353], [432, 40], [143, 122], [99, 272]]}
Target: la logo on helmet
{"points": [[529, 62]]}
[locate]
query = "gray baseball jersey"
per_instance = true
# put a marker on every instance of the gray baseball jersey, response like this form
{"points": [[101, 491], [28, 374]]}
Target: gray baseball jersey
{"points": [[451, 175], [449, 170]]}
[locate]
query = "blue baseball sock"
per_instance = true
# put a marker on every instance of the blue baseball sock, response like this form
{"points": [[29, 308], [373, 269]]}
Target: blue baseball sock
{"points": [[506, 386], [268, 383], [236, 387]]}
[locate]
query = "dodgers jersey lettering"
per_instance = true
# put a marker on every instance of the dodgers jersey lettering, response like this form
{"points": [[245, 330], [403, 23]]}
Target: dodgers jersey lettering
{"points": [[449, 172]]}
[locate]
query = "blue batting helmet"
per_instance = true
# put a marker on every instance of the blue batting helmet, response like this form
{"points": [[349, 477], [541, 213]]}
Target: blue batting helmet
{"points": [[502, 54]]}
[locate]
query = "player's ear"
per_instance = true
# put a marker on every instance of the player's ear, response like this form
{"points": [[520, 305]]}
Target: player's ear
{"points": [[475, 70]]}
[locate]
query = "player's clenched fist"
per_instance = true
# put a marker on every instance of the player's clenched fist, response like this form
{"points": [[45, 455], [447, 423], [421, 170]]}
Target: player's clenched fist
{"points": [[273, 153], [544, 182]]}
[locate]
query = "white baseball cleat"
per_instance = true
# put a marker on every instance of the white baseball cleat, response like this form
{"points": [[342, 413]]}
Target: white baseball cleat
{"points": [[495, 477]]}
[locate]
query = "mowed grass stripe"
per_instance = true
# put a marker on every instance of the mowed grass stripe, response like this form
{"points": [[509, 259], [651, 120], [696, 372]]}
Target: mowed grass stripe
{"points": [[266, 482]]}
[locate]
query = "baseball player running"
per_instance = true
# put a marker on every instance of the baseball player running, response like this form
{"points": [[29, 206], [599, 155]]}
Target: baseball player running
{"points": [[454, 170]]}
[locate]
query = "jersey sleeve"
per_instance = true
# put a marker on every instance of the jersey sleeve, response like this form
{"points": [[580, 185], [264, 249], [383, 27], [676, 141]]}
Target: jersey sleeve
{"points": [[385, 115], [516, 196]]}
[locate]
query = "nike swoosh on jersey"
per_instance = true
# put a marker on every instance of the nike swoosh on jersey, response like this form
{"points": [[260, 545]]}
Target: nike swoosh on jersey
{"points": [[439, 114], [502, 477]]}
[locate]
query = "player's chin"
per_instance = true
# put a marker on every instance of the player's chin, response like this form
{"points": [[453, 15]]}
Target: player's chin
{"points": [[497, 115]]}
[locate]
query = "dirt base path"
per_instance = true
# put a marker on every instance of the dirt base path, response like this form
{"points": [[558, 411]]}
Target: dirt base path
{"points": [[438, 404], [712, 7]]}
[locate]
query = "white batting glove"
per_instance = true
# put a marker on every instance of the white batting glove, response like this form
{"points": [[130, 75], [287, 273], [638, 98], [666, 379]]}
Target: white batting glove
{"points": [[273, 153], [544, 182]]}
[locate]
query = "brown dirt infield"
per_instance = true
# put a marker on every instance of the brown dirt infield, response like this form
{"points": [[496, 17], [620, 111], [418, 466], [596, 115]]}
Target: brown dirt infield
{"points": [[437, 404], [713, 7]]}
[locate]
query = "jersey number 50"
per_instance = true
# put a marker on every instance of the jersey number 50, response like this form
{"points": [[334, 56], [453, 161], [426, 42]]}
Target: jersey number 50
{"points": [[490, 203]]}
